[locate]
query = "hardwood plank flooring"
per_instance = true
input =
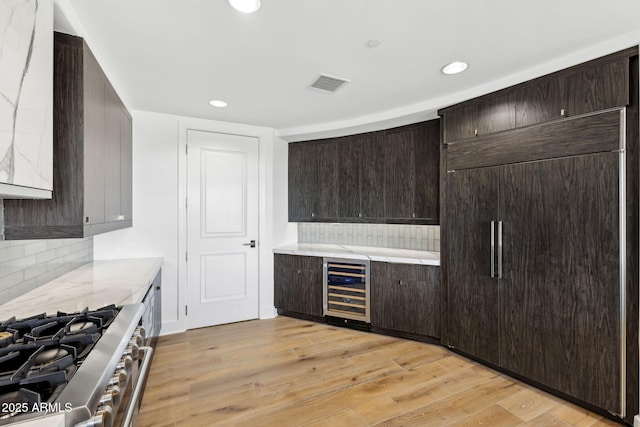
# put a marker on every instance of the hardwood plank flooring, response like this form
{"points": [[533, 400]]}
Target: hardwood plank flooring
{"points": [[290, 372]]}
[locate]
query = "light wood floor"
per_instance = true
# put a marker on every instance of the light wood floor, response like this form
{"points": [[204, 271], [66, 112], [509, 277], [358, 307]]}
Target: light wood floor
{"points": [[289, 372]]}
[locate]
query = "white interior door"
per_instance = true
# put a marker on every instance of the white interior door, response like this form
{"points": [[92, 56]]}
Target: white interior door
{"points": [[222, 220]]}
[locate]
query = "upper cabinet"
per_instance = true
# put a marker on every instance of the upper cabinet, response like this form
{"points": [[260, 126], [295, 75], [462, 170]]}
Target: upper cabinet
{"points": [[380, 177], [590, 87], [26, 147], [411, 171], [313, 178], [92, 155]]}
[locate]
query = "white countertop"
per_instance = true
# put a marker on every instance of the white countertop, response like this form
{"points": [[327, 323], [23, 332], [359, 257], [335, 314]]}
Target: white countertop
{"points": [[94, 285], [402, 256]]}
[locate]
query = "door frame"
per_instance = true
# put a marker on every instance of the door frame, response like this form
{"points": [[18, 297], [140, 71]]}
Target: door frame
{"points": [[265, 138]]}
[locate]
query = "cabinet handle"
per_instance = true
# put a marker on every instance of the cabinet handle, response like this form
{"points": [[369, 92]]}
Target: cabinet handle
{"points": [[360, 215], [400, 282], [500, 235], [562, 112], [493, 249], [475, 132]]}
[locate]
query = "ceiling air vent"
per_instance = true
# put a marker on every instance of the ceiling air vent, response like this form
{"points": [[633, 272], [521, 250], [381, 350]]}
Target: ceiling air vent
{"points": [[329, 84]]}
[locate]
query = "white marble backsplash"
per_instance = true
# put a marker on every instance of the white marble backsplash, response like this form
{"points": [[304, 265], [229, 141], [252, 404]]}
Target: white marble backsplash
{"points": [[399, 236], [26, 93]]}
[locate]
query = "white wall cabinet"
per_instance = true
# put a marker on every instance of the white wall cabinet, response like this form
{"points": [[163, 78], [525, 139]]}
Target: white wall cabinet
{"points": [[26, 99]]}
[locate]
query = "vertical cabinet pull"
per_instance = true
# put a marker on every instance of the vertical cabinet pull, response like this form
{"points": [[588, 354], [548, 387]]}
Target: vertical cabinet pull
{"points": [[500, 235], [493, 249]]}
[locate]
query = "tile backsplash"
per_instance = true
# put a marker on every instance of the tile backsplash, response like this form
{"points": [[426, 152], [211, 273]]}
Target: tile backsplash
{"points": [[418, 237], [28, 264]]}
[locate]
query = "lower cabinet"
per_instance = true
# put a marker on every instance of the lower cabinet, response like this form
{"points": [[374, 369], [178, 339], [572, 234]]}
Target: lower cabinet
{"points": [[405, 298], [298, 284]]}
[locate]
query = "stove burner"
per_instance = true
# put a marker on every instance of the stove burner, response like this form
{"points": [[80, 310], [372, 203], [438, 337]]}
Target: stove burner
{"points": [[80, 326], [47, 357], [40, 354]]}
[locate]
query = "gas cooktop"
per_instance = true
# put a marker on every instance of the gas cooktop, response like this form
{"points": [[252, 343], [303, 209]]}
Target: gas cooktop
{"points": [[40, 354]]}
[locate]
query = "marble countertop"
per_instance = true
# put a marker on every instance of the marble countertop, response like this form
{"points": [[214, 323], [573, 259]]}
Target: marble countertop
{"points": [[402, 256], [93, 285]]}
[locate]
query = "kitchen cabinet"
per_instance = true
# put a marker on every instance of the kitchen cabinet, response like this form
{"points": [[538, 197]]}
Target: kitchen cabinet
{"points": [[540, 101], [26, 118], [313, 180], [534, 278], [406, 298], [482, 116], [92, 155], [411, 168], [361, 176], [298, 285], [597, 86], [389, 176], [586, 88]]}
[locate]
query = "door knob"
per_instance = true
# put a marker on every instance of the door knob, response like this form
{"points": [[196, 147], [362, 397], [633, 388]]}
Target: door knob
{"points": [[252, 243]]}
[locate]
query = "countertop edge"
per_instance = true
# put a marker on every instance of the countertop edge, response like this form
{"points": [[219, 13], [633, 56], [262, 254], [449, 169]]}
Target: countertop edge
{"points": [[93, 285], [360, 253]]}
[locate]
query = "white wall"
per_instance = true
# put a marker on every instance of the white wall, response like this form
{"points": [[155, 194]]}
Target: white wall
{"points": [[158, 206]]}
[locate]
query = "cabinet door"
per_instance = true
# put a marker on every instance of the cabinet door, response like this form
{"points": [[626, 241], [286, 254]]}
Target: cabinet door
{"points": [[427, 172], [302, 171], [495, 113], [94, 140], [472, 293], [460, 122], [372, 176], [349, 153], [126, 167], [597, 87], [539, 102], [561, 289], [325, 184], [298, 284], [399, 181], [406, 298], [112, 159]]}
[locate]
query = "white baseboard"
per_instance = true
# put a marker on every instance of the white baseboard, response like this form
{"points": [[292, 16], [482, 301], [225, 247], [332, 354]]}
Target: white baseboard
{"points": [[171, 327], [636, 421]]}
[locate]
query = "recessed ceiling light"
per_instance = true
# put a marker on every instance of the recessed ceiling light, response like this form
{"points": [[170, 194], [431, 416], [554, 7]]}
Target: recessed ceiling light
{"points": [[245, 6], [455, 67], [374, 43], [218, 103]]}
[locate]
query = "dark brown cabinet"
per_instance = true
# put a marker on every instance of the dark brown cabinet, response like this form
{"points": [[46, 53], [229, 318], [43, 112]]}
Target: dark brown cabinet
{"points": [[482, 116], [597, 87], [587, 88], [406, 298], [534, 279], [298, 284], [410, 174], [92, 155], [386, 177], [361, 177], [539, 101], [313, 180]]}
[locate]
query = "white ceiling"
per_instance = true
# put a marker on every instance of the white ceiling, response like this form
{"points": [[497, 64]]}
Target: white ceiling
{"points": [[173, 56]]}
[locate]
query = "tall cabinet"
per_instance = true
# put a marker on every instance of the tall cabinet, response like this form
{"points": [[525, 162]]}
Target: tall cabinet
{"points": [[541, 241]]}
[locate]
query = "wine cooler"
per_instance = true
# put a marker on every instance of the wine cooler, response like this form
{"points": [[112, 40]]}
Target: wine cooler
{"points": [[346, 289]]}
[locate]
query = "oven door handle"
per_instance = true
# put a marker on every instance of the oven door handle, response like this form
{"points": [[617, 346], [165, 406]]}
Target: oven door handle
{"points": [[135, 395]]}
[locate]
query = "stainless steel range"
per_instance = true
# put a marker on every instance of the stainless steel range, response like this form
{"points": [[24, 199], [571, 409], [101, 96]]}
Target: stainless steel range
{"points": [[91, 366]]}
